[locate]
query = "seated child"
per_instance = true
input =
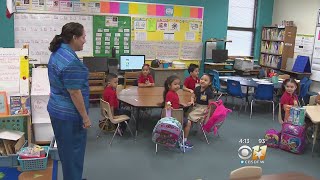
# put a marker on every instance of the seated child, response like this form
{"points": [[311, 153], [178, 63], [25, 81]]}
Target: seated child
{"points": [[110, 96], [145, 79], [171, 86], [202, 95], [192, 81], [289, 97]]}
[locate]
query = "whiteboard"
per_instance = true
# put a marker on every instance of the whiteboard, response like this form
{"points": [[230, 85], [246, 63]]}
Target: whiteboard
{"points": [[38, 30]]}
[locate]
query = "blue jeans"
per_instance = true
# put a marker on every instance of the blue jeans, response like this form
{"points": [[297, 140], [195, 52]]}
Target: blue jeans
{"points": [[71, 140]]}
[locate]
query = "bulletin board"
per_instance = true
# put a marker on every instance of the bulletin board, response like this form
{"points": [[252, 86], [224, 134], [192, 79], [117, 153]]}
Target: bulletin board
{"points": [[166, 38], [109, 32]]}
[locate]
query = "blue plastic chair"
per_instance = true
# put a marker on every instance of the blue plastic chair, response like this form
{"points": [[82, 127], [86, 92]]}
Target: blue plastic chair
{"points": [[234, 90], [264, 92], [304, 88], [216, 82]]}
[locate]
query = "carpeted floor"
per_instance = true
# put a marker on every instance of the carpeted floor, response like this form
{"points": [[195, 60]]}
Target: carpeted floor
{"points": [[128, 159]]}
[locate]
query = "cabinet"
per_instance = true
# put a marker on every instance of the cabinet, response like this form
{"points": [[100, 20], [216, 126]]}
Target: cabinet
{"points": [[277, 45]]}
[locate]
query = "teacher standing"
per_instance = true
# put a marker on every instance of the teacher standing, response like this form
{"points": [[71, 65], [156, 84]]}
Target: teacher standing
{"points": [[69, 99]]}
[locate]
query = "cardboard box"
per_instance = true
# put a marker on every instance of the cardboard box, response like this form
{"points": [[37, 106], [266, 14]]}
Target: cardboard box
{"points": [[243, 64], [12, 140]]}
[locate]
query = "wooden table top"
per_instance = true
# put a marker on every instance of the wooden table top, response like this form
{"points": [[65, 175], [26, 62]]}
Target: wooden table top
{"points": [[148, 97], [313, 112], [148, 91]]}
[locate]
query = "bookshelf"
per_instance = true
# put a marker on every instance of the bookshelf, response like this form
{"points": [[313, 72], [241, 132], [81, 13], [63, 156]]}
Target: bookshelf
{"points": [[277, 45]]}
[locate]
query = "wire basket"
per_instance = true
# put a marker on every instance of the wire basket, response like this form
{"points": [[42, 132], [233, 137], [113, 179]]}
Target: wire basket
{"points": [[34, 163]]}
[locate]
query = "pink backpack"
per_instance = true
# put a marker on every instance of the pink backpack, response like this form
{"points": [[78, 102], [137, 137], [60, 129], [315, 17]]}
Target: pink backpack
{"points": [[272, 138], [292, 138], [217, 118]]}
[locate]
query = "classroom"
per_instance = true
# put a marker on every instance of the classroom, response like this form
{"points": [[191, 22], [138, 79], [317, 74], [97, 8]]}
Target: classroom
{"points": [[145, 89]]}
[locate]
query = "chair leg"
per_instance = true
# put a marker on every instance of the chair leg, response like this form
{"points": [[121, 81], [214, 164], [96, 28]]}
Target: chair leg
{"points": [[114, 134], [245, 105], [204, 133], [251, 109], [156, 148], [234, 106], [184, 147], [130, 130], [104, 125], [273, 110]]}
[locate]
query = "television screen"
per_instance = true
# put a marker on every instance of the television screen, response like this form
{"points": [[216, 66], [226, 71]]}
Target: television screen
{"points": [[219, 56], [96, 64], [131, 62]]}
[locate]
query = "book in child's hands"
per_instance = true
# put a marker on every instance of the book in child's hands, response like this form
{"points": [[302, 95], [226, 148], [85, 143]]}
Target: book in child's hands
{"points": [[19, 105]]}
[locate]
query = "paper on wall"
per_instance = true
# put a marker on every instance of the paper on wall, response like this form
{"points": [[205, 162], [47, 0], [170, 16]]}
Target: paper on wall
{"points": [[140, 25], [40, 82], [168, 36], [191, 51], [140, 36], [190, 36], [111, 21]]}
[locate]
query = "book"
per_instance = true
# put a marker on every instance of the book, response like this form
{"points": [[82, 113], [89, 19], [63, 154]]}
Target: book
{"points": [[19, 105]]}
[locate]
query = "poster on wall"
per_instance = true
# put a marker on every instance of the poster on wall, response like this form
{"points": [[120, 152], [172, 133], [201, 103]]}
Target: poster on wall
{"points": [[111, 21], [22, 4], [53, 5], [37, 5], [194, 26], [140, 25], [66, 6], [174, 26], [162, 25]]}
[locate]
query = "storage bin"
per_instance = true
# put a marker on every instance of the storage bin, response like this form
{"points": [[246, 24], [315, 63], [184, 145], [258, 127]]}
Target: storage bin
{"points": [[34, 163], [179, 65], [11, 160], [18, 123]]}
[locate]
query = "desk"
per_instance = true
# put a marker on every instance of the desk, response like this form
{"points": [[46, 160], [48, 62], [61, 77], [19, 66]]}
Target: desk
{"points": [[248, 82], [161, 74], [313, 112], [219, 67], [151, 97]]}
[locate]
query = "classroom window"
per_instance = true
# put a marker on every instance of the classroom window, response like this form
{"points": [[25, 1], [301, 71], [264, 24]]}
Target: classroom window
{"points": [[241, 27]]}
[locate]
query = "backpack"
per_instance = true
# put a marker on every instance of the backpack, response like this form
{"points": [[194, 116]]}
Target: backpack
{"points": [[272, 138], [217, 118], [292, 138], [167, 132]]}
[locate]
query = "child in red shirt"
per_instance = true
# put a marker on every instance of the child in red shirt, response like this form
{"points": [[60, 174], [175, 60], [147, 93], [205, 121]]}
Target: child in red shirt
{"points": [[289, 97], [171, 86], [193, 80], [145, 79], [110, 96]]}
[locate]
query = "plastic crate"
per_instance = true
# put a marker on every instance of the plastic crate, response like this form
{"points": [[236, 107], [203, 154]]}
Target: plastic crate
{"points": [[34, 163], [11, 160], [54, 151], [18, 123]]}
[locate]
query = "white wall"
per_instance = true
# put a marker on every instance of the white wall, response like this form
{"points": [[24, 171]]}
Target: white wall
{"points": [[302, 12], [304, 15]]}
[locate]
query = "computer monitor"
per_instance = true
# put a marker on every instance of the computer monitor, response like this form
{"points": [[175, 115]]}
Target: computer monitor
{"points": [[96, 64], [219, 56], [131, 62]]}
